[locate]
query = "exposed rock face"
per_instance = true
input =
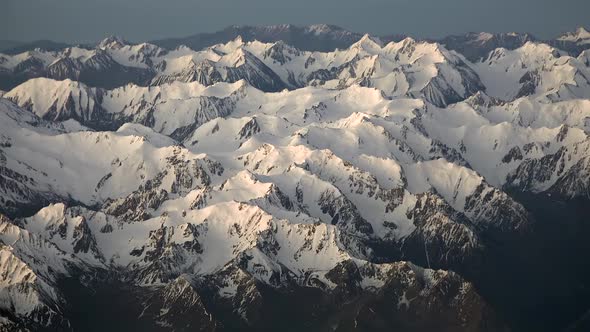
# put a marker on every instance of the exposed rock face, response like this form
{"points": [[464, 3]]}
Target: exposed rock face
{"points": [[440, 77], [257, 186], [178, 306]]}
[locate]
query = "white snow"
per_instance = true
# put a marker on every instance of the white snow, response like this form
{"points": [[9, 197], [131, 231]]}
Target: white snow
{"points": [[255, 173]]}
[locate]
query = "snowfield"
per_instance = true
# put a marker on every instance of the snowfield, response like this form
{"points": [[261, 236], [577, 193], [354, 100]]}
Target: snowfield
{"points": [[252, 162]]}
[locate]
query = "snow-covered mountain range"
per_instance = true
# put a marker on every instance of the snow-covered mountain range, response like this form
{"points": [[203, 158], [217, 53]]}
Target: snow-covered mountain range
{"points": [[213, 187]]}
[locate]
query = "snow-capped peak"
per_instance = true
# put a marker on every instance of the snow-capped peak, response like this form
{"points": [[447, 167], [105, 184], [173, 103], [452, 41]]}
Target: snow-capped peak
{"points": [[369, 44], [319, 29], [580, 35], [112, 42], [232, 45], [243, 168], [484, 36], [406, 42]]}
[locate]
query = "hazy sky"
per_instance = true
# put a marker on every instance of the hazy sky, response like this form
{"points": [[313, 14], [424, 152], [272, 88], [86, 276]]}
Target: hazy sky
{"points": [[90, 20]]}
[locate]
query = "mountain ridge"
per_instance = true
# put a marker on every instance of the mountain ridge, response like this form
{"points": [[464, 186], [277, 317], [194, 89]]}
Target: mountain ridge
{"points": [[388, 184]]}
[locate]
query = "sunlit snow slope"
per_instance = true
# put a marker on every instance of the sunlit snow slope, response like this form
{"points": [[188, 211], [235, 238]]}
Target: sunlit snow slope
{"points": [[250, 166]]}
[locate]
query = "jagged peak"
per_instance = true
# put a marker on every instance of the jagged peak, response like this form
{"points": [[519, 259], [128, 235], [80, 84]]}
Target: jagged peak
{"points": [[235, 45], [323, 28], [112, 42], [236, 42], [148, 49], [236, 57], [400, 45], [48, 83], [281, 44], [483, 36], [581, 33], [407, 41], [52, 211], [532, 45], [412, 50], [183, 48], [368, 43], [282, 27], [530, 50]]}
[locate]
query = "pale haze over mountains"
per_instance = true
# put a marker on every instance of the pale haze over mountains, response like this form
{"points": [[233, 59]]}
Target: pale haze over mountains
{"points": [[81, 21]]}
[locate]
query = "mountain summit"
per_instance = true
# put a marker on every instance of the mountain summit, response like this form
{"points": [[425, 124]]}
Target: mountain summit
{"points": [[255, 185]]}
